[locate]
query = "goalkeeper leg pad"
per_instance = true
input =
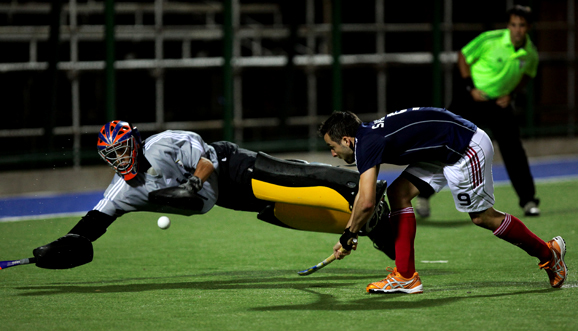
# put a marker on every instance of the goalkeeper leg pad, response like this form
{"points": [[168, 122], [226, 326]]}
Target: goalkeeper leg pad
{"points": [[298, 183], [93, 225], [314, 219]]}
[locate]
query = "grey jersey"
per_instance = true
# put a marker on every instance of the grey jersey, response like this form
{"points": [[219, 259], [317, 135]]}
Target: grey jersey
{"points": [[173, 156]]}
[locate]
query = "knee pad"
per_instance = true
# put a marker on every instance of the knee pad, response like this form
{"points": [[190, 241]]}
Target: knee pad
{"points": [[298, 183]]}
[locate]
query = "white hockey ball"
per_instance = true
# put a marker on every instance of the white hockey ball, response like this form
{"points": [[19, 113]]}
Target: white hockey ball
{"points": [[164, 222]]}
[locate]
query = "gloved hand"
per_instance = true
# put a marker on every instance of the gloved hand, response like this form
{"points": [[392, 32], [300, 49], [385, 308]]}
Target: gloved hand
{"points": [[194, 184], [348, 240], [66, 252]]}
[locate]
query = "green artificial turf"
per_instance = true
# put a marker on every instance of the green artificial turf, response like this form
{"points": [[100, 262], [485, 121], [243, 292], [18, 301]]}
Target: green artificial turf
{"points": [[226, 270]]}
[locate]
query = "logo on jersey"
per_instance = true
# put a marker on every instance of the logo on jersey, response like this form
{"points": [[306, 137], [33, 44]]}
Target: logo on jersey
{"points": [[401, 111], [378, 123]]}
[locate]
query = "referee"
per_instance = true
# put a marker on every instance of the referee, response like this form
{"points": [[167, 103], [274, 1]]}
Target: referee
{"points": [[494, 66]]}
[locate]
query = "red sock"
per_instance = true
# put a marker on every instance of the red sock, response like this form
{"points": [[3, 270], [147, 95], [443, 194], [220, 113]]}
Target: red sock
{"points": [[404, 220], [516, 233]]}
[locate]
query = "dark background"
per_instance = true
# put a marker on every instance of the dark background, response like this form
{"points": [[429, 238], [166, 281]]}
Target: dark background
{"points": [[196, 94]]}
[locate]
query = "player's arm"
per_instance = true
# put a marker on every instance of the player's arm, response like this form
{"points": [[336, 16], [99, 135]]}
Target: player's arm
{"points": [[198, 158], [365, 200], [204, 169], [466, 73], [463, 66], [363, 208], [202, 172], [75, 248]]}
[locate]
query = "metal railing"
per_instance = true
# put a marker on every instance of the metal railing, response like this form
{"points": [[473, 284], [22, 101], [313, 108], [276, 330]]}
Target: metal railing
{"points": [[314, 54]]}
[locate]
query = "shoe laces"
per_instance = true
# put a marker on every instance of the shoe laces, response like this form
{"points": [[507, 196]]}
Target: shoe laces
{"points": [[392, 272], [557, 266], [554, 264], [545, 265]]}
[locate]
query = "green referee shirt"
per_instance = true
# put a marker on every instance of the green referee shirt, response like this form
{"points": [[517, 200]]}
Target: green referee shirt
{"points": [[496, 66]]}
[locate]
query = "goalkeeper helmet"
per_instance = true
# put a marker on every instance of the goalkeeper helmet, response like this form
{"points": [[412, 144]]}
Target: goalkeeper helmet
{"points": [[119, 144]]}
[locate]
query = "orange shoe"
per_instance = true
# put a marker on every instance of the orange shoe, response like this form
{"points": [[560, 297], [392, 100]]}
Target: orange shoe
{"points": [[556, 268], [394, 282]]}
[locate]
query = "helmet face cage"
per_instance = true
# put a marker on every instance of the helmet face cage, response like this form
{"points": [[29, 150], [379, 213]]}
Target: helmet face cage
{"points": [[120, 155], [118, 144]]}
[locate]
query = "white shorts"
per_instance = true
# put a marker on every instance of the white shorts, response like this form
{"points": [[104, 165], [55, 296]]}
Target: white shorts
{"points": [[470, 179]]}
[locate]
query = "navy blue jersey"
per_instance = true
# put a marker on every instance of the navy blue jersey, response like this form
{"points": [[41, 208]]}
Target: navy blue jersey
{"points": [[424, 134]]}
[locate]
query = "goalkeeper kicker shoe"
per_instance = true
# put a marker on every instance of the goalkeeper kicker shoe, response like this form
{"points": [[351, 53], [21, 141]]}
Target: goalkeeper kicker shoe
{"points": [[394, 282], [556, 267]]}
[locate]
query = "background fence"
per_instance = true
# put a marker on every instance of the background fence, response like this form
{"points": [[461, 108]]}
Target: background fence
{"points": [[260, 73]]}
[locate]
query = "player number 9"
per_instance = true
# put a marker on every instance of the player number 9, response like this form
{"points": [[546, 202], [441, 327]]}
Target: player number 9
{"points": [[465, 199]]}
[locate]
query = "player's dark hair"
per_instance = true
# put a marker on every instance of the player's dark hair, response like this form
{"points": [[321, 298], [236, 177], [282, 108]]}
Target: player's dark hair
{"points": [[340, 124], [522, 11]]}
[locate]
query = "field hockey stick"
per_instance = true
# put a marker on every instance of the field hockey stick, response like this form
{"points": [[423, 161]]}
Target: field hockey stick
{"points": [[13, 263], [320, 265]]}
